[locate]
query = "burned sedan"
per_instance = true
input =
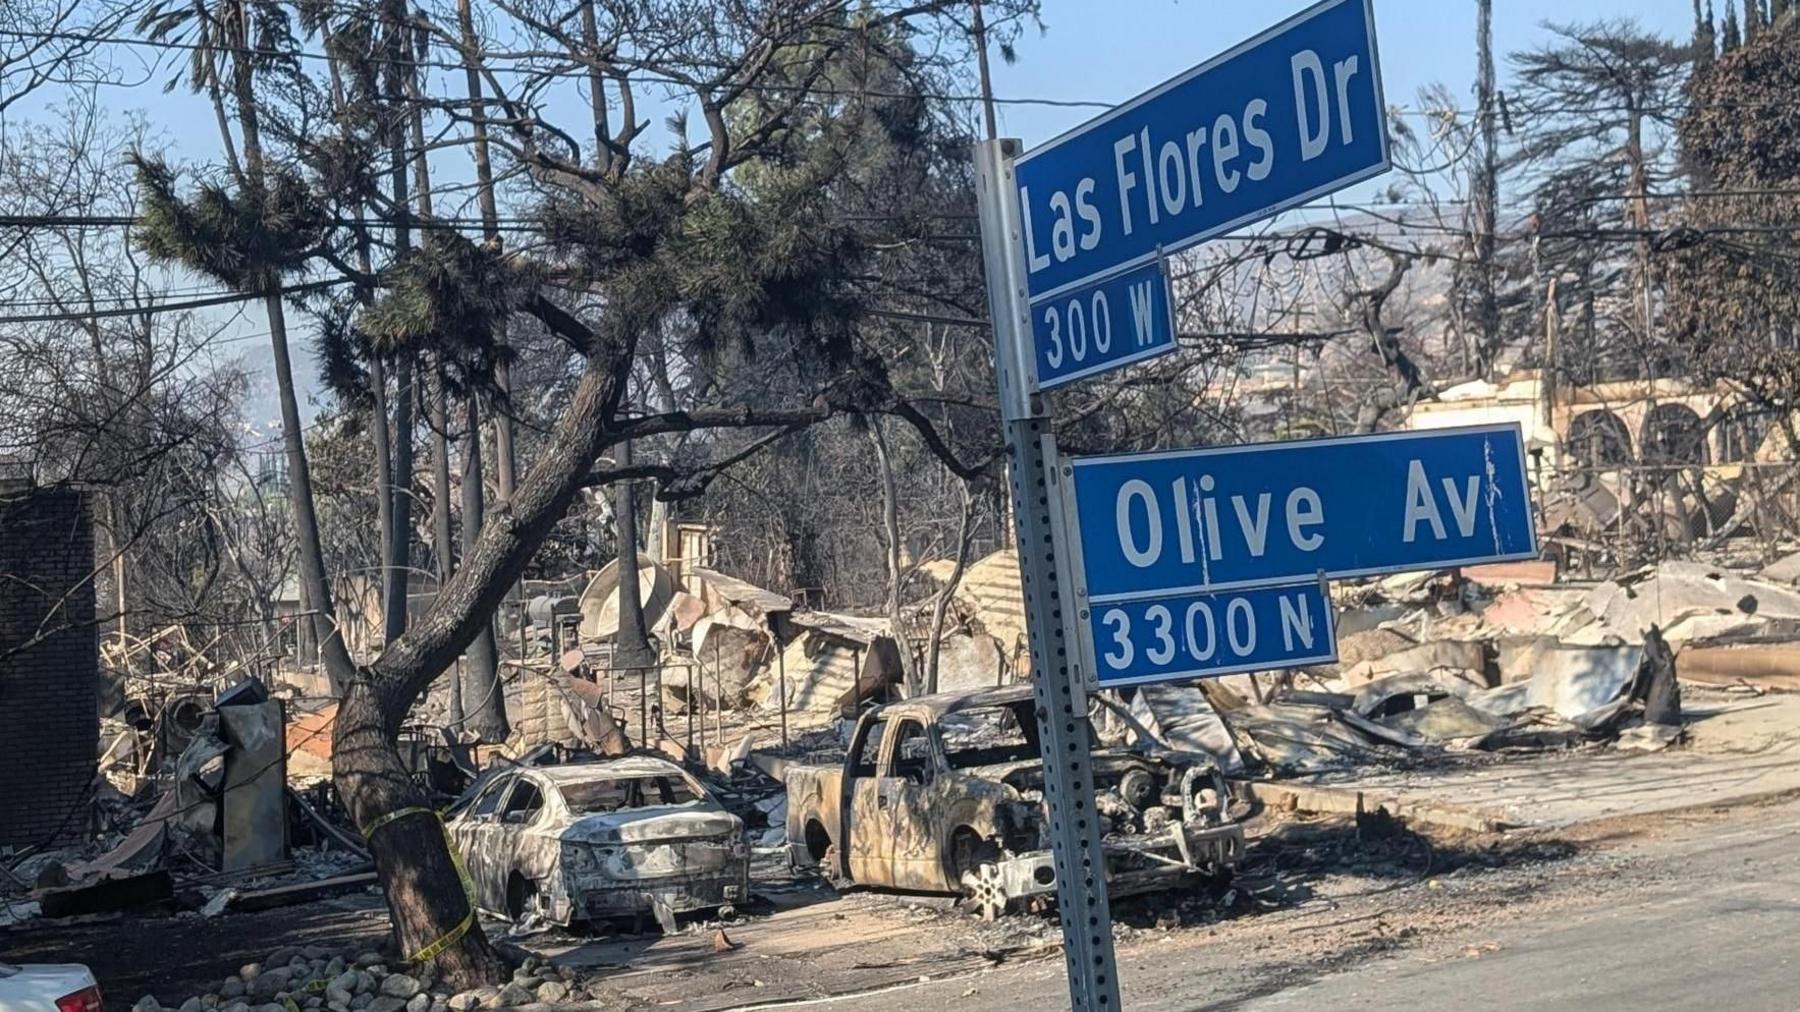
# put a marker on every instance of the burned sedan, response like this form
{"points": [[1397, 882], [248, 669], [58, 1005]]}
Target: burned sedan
{"points": [[598, 841], [945, 794]]}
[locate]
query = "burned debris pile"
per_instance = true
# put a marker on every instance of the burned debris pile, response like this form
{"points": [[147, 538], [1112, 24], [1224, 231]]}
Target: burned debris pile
{"points": [[197, 810], [772, 748]]}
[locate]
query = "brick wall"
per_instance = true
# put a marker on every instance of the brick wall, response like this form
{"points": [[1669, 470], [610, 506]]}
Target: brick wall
{"points": [[48, 688]]}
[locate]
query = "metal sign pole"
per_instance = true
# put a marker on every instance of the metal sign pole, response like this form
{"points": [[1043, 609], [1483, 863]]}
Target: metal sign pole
{"points": [[1061, 696]]}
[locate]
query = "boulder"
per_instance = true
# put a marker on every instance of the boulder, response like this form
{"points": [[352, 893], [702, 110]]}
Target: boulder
{"points": [[553, 991], [399, 985], [269, 984], [516, 994]]}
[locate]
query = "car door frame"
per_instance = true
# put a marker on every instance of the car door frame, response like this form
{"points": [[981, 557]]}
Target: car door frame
{"points": [[477, 841], [910, 819], [867, 856]]}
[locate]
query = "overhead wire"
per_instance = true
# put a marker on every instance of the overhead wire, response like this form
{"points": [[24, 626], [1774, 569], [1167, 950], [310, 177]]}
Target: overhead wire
{"points": [[578, 71], [168, 307]]}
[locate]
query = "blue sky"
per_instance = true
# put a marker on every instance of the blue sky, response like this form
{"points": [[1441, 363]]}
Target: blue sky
{"points": [[1110, 50], [1089, 51]]}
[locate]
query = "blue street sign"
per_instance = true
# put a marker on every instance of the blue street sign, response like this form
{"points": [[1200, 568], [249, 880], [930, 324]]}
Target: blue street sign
{"points": [[1290, 115], [1123, 319], [1189, 520], [1206, 635]]}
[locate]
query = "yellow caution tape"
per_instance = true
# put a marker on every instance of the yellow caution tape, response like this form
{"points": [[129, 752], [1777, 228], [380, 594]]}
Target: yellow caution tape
{"points": [[455, 934], [395, 816]]}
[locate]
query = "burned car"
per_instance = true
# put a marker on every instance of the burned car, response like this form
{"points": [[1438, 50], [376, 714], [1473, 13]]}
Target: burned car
{"points": [[945, 794], [601, 840]]}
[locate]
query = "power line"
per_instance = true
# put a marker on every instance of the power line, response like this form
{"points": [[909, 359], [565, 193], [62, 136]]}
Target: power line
{"points": [[643, 77], [135, 298], [166, 307], [572, 72]]}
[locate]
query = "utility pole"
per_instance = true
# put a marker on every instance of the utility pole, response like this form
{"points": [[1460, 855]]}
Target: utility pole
{"points": [[979, 27], [1061, 695], [1487, 187]]}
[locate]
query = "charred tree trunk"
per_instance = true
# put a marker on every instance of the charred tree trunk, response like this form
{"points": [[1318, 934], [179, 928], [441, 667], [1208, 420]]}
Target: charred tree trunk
{"points": [[484, 698], [424, 892], [890, 527], [1386, 343], [506, 468], [395, 609], [443, 544], [965, 536], [315, 588], [380, 429], [380, 432], [631, 647]]}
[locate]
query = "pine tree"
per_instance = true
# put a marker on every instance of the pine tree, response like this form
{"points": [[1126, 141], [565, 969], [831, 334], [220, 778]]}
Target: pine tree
{"points": [[1732, 35], [1705, 43], [1753, 20]]}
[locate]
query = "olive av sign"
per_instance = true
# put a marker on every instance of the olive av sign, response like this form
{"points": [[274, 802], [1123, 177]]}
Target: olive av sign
{"points": [[1287, 116], [1191, 521]]}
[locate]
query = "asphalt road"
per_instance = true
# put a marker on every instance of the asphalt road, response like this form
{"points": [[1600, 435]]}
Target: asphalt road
{"points": [[1697, 913]]}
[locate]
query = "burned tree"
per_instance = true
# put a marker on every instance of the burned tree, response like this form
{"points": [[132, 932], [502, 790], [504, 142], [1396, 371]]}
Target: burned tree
{"points": [[628, 246], [1734, 287], [1593, 110]]}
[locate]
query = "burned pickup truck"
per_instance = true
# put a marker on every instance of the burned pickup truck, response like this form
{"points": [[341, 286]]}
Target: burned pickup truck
{"points": [[945, 794]]}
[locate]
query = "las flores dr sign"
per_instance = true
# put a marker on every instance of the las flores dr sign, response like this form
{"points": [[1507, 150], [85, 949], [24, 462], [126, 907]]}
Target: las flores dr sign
{"points": [[1291, 114]]}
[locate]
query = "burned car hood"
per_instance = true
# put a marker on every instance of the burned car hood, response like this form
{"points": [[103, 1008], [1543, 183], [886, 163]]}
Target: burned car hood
{"points": [[1030, 772], [647, 825]]}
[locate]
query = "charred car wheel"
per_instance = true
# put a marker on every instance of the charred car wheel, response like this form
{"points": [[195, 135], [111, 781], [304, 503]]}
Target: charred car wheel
{"points": [[987, 893], [521, 897], [972, 861]]}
